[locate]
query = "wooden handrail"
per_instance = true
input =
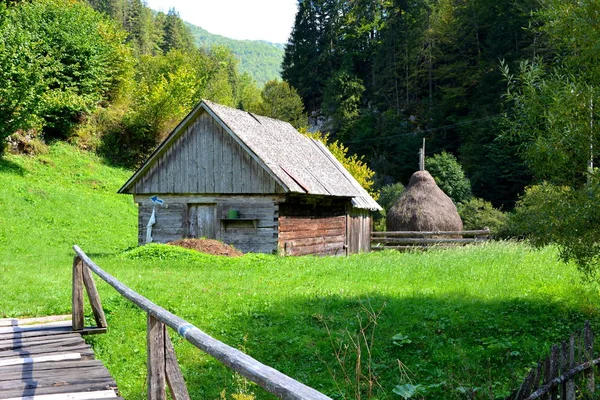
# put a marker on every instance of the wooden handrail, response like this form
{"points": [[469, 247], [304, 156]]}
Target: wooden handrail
{"points": [[268, 378]]}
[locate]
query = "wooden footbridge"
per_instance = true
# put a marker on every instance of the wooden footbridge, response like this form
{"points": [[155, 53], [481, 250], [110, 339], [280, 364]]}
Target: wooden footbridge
{"points": [[47, 358], [43, 358]]}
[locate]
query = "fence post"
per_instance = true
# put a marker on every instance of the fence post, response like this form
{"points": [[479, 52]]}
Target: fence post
{"points": [[77, 295], [588, 343], [156, 359], [571, 383]]}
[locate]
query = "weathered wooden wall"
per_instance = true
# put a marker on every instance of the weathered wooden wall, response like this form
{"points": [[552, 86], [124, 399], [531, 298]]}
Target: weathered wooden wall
{"points": [[206, 159], [255, 231], [359, 224], [312, 229]]}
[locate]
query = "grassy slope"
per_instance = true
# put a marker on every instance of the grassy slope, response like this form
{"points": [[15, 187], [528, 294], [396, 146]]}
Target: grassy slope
{"points": [[47, 204], [261, 60], [475, 317]]}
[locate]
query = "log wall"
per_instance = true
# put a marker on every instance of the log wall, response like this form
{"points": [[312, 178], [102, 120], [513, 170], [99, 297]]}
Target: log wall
{"points": [[318, 229]]}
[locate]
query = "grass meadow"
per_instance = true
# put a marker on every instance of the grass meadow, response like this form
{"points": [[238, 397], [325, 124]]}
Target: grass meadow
{"points": [[460, 323]]}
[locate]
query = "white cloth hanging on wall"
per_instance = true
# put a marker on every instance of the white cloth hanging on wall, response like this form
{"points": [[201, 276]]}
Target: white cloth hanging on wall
{"points": [[151, 222]]}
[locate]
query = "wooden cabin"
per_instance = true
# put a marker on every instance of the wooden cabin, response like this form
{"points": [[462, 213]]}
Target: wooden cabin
{"points": [[253, 182]]}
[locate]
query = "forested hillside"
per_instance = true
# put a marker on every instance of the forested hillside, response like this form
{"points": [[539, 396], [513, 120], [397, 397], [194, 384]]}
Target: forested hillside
{"points": [[391, 73], [260, 59]]}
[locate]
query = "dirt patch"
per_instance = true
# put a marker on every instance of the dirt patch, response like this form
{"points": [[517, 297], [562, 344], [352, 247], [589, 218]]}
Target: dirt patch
{"points": [[208, 246]]}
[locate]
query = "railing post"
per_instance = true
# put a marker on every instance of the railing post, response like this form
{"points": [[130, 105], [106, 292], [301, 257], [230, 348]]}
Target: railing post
{"points": [[156, 359], [77, 295], [175, 381]]}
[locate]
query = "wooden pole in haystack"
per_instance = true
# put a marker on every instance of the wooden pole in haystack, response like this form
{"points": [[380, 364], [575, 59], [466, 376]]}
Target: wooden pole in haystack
{"points": [[422, 157]]}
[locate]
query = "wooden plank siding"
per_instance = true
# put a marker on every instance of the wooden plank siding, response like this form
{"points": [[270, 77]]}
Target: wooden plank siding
{"points": [[305, 229], [359, 225], [255, 231], [205, 159]]}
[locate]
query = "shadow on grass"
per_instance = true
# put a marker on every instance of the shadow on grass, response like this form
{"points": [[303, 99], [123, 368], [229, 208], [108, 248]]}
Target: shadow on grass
{"points": [[454, 346], [10, 167]]}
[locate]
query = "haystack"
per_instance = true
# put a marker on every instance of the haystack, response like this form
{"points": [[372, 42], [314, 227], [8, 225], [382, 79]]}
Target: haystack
{"points": [[423, 206]]}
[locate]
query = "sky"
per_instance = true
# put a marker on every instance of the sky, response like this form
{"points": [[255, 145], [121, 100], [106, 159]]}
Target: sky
{"points": [[269, 20]]}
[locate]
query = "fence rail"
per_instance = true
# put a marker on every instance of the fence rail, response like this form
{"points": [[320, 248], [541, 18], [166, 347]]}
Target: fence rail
{"points": [[567, 373], [162, 365], [403, 240]]}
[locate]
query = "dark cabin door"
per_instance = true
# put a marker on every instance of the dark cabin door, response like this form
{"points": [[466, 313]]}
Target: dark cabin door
{"points": [[202, 221]]}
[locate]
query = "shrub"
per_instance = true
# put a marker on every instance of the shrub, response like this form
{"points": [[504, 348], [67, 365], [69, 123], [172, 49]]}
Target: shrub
{"points": [[61, 58], [388, 195], [552, 214], [478, 213], [281, 101], [450, 177]]}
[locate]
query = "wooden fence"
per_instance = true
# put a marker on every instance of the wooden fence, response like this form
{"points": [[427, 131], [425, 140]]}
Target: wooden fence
{"points": [[163, 369], [566, 374], [405, 240]]}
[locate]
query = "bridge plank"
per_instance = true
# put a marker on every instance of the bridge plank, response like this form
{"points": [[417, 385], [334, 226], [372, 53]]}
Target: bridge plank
{"points": [[49, 361]]}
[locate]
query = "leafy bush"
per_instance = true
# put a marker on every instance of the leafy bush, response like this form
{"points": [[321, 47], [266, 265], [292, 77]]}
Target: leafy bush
{"points": [[564, 216], [281, 101], [388, 195], [478, 213], [156, 251], [450, 177], [61, 58]]}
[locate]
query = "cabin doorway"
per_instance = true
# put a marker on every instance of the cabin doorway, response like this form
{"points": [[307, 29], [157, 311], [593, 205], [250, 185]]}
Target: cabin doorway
{"points": [[202, 220]]}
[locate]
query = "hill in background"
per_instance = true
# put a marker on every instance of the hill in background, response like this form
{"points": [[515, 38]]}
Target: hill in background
{"points": [[260, 59]]}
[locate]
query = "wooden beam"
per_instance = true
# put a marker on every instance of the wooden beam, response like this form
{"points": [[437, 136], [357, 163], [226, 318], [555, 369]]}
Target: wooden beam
{"points": [[77, 295], [481, 232], [94, 297], [426, 241], [175, 380]]}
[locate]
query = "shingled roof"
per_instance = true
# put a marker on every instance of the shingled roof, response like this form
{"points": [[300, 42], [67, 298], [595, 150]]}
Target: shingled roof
{"points": [[298, 163]]}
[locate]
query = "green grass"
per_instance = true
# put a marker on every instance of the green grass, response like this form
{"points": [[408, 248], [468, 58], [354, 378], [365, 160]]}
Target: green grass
{"points": [[472, 319]]}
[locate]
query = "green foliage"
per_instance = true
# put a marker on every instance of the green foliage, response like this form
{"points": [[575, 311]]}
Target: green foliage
{"points": [[342, 98], [388, 196], [552, 114], [565, 216], [259, 59], [281, 101], [157, 251], [20, 96], [60, 59], [478, 213], [388, 73], [449, 176], [176, 34]]}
